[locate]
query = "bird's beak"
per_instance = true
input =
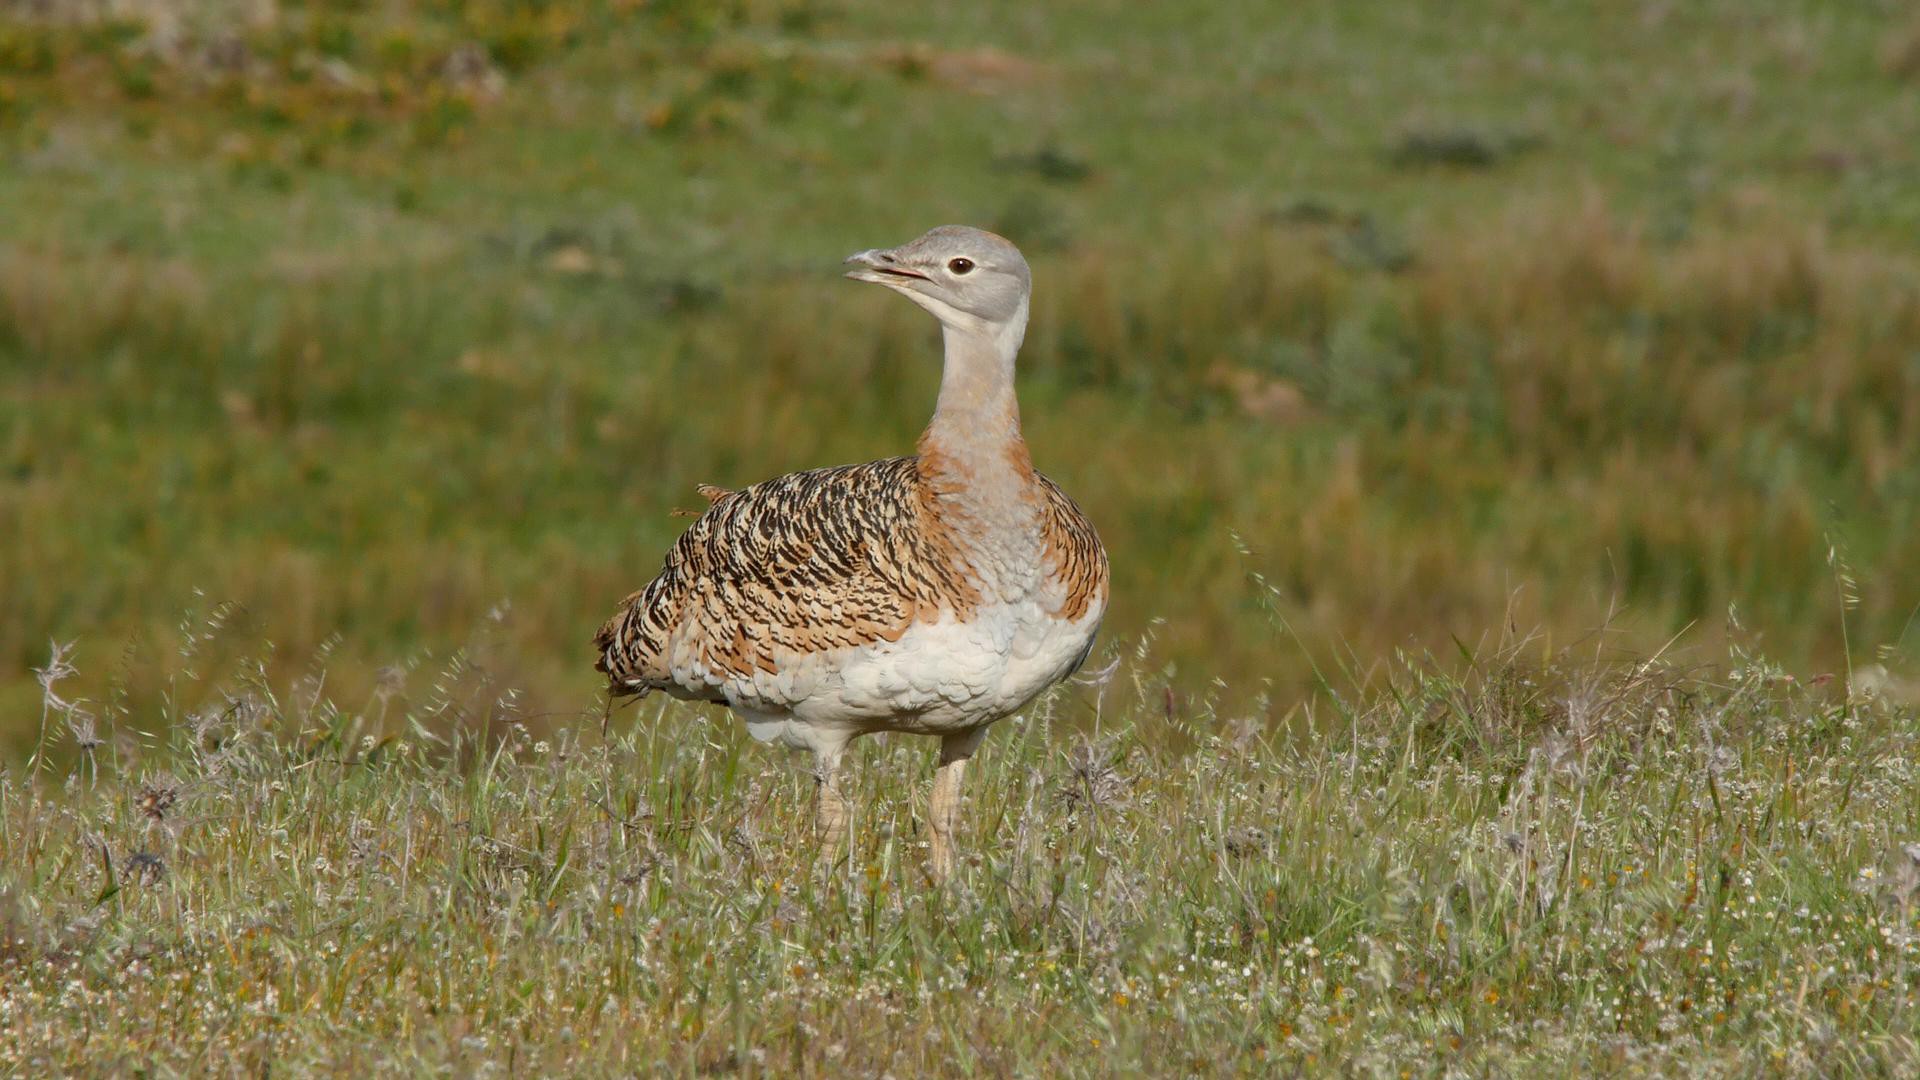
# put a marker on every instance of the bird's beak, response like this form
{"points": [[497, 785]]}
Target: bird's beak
{"points": [[883, 267]]}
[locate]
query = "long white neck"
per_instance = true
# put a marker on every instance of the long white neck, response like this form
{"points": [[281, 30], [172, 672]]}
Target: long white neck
{"points": [[976, 464], [978, 416]]}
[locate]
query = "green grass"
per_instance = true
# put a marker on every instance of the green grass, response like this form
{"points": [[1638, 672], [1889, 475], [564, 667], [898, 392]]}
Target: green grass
{"points": [[393, 334], [1550, 863], [1421, 320]]}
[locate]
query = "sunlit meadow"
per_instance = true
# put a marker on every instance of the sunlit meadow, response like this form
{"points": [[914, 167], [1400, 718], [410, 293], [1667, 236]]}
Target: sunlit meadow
{"points": [[1504, 419], [1548, 863], [373, 318]]}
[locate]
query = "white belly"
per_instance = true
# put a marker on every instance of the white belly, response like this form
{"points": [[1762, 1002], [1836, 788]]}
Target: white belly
{"points": [[938, 678]]}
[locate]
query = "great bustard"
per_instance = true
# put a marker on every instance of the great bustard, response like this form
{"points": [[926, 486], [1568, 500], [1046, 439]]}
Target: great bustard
{"points": [[932, 594]]}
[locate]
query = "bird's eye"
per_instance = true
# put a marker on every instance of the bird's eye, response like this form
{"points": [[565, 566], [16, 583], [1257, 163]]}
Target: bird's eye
{"points": [[961, 266]]}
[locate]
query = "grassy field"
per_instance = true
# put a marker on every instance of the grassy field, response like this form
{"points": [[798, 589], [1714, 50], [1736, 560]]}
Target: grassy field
{"points": [[1469, 397], [1394, 324], [1547, 864]]}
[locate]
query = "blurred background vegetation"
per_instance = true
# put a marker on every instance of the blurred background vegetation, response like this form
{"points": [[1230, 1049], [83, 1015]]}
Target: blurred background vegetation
{"points": [[388, 330]]}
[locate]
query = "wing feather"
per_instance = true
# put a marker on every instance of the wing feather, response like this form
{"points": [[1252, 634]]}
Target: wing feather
{"points": [[802, 564], [1076, 560]]}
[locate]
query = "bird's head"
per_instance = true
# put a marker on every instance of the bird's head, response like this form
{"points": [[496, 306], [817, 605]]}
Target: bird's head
{"points": [[970, 279]]}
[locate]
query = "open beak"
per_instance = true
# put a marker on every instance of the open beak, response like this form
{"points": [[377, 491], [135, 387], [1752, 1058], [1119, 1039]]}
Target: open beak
{"points": [[882, 267]]}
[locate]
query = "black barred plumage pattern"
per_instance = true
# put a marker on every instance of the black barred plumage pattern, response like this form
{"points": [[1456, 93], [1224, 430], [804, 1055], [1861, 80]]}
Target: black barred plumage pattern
{"points": [[814, 562], [804, 563], [1076, 560]]}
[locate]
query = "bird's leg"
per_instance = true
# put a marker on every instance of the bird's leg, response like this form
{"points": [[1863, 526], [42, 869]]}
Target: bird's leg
{"points": [[944, 810], [832, 816], [945, 813]]}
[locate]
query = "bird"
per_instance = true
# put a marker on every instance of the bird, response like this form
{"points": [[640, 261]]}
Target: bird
{"points": [[932, 594]]}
